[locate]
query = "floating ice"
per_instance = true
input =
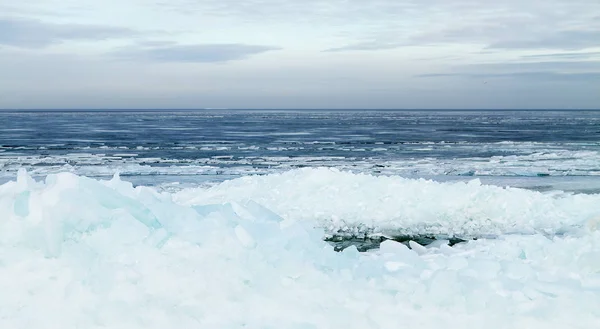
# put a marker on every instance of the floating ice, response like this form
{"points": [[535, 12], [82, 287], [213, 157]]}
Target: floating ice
{"points": [[512, 159], [81, 253]]}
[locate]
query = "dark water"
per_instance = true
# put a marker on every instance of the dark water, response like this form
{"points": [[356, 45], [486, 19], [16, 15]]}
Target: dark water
{"points": [[184, 144], [67, 130]]}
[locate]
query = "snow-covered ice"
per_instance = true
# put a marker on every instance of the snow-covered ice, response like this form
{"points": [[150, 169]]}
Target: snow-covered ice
{"points": [[249, 253], [343, 201]]}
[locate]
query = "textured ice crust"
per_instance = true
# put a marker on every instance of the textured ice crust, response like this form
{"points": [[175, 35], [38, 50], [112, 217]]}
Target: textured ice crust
{"points": [[81, 253], [526, 159], [358, 203]]}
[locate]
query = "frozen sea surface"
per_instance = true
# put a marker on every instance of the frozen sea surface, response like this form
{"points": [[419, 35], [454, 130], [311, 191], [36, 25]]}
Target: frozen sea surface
{"points": [[517, 148], [219, 219]]}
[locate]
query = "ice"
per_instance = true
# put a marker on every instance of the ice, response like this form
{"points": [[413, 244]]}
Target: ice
{"points": [[341, 201], [419, 249], [245, 238], [568, 164], [85, 253], [22, 204]]}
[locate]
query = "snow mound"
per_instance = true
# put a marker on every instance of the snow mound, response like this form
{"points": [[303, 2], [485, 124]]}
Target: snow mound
{"points": [[81, 253], [343, 202]]}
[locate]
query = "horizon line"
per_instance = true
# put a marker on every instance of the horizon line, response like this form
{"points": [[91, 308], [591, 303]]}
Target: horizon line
{"points": [[281, 109]]}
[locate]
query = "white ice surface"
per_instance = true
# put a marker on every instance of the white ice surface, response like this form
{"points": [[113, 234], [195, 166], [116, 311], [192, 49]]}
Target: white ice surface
{"points": [[523, 159], [338, 200], [81, 253]]}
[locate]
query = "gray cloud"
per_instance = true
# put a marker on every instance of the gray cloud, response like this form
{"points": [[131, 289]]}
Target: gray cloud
{"points": [[36, 80], [36, 34], [337, 12], [156, 43], [498, 26], [454, 33], [567, 40], [550, 66], [541, 75], [368, 45], [588, 55], [557, 71], [495, 38], [203, 53]]}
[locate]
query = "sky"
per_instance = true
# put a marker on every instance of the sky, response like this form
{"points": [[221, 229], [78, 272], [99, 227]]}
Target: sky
{"points": [[385, 54]]}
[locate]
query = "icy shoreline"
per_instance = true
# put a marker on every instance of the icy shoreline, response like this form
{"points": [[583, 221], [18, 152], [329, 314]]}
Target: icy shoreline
{"points": [[248, 253], [349, 204]]}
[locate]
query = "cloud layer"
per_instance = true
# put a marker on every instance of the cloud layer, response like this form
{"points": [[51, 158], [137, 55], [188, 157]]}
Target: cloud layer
{"points": [[292, 54], [27, 33], [565, 40], [205, 53]]}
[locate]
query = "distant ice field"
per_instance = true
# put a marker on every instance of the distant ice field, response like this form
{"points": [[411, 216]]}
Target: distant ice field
{"points": [[530, 149]]}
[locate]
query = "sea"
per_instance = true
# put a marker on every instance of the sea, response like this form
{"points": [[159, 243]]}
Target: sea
{"points": [[539, 150], [299, 219]]}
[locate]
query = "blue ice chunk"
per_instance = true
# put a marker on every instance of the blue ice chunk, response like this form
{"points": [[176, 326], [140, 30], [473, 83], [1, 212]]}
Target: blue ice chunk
{"points": [[245, 237], [21, 206], [205, 210], [224, 211], [158, 238], [261, 213], [522, 255], [351, 252], [113, 200], [53, 234]]}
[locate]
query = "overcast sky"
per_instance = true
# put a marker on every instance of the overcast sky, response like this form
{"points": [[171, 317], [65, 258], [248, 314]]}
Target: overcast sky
{"points": [[300, 54]]}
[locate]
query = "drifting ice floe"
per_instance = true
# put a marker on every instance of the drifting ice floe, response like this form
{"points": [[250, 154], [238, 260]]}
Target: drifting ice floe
{"points": [[436, 159], [81, 253]]}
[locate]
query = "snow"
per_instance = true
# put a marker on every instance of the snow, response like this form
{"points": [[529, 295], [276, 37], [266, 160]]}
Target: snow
{"points": [[82, 253], [356, 203]]}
